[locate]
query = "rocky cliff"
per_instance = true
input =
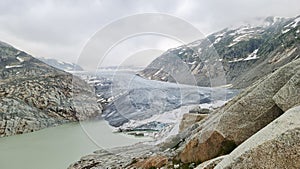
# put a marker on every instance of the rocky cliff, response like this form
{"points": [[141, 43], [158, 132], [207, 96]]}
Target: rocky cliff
{"points": [[34, 95]]}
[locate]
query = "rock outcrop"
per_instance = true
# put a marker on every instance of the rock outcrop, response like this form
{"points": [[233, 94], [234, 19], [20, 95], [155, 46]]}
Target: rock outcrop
{"points": [[240, 118], [154, 161], [288, 96], [211, 164], [34, 95], [275, 146], [189, 119]]}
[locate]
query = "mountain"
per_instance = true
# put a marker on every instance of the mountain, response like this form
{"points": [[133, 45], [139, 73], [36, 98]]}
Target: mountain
{"points": [[237, 56], [34, 95], [66, 66]]}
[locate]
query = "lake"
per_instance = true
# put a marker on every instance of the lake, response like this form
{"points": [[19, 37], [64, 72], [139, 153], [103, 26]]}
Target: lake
{"points": [[58, 147]]}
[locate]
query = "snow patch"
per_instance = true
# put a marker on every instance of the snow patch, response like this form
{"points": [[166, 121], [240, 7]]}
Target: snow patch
{"points": [[293, 24], [217, 40], [13, 66], [236, 60], [288, 25], [220, 34], [285, 31], [158, 72], [253, 55], [239, 39], [20, 59], [192, 63], [297, 20], [199, 50]]}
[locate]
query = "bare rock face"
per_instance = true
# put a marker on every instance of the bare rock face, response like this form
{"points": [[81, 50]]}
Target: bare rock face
{"points": [[189, 119], [240, 118], [154, 161], [199, 151], [34, 95], [288, 96], [275, 146], [211, 164]]}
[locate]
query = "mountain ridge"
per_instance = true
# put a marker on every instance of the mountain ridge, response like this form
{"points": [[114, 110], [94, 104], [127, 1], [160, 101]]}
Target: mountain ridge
{"points": [[231, 53]]}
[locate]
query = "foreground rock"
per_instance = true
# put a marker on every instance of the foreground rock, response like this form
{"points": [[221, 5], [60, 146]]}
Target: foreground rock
{"points": [[275, 146], [240, 118], [34, 95]]}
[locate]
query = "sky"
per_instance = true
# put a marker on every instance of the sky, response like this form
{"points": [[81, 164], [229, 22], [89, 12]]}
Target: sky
{"points": [[61, 29]]}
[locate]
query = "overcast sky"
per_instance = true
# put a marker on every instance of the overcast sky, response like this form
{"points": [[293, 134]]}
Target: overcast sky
{"points": [[60, 28]]}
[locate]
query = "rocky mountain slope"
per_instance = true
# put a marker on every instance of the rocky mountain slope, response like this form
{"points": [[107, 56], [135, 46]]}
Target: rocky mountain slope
{"points": [[237, 56], [34, 95], [66, 66]]}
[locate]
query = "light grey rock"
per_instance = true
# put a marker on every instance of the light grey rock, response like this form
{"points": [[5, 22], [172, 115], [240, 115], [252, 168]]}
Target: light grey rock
{"points": [[239, 119], [288, 96], [211, 164], [275, 146], [189, 119]]}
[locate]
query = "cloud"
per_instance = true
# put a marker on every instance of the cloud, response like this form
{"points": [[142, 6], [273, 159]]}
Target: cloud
{"points": [[60, 29]]}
